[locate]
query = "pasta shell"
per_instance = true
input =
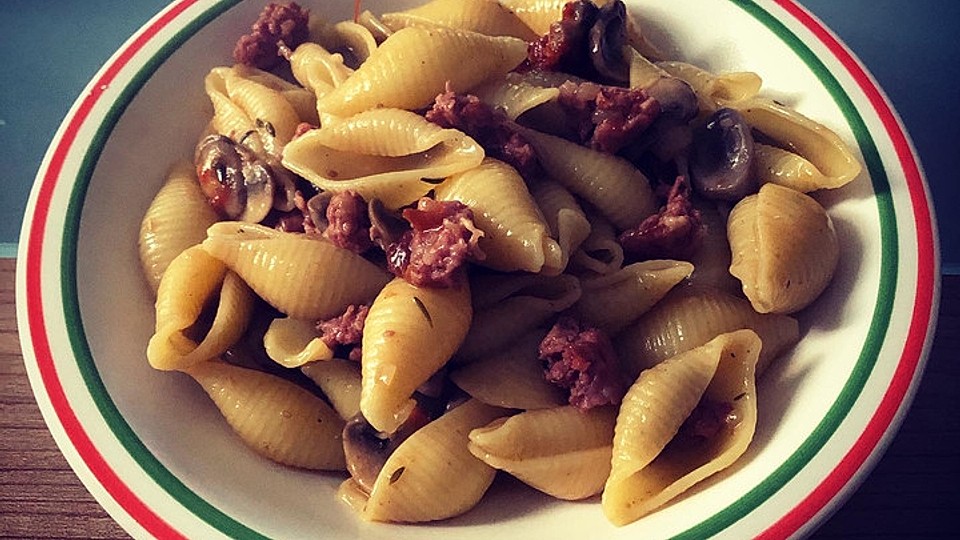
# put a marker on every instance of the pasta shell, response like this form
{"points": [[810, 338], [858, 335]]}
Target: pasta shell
{"points": [[294, 342], [689, 318], [340, 381], [317, 69], [483, 16], [275, 417], [302, 277], [176, 219], [715, 90], [814, 142], [538, 15], [389, 79], [348, 36], [409, 334], [515, 235], [784, 248], [563, 451], [511, 378], [600, 252], [651, 465], [381, 154], [611, 184], [513, 95], [513, 307], [432, 475], [615, 300], [194, 280], [567, 221]]}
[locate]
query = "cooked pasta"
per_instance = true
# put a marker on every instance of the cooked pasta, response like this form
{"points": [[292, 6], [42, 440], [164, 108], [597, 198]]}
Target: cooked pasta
{"points": [[387, 79], [409, 334], [402, 253], [177, 218], [651, 462], [385, 154]]}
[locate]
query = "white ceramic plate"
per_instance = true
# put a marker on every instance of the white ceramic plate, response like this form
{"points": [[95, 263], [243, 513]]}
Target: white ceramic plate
{"points": [[155, 453]]}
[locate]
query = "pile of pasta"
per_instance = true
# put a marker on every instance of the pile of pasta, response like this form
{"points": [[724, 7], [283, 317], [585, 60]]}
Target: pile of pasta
{"points": [[687, 332]]}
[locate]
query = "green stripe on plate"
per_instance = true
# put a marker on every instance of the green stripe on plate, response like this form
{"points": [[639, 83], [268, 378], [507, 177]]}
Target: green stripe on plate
{"points": [[713, 525]]}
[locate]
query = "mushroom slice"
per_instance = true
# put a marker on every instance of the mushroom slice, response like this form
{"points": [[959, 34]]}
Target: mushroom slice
{"points": [[721, 166]]}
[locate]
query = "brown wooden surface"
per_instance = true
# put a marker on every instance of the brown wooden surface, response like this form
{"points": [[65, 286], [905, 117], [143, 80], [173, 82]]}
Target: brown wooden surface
{"points": [[913, 492]]}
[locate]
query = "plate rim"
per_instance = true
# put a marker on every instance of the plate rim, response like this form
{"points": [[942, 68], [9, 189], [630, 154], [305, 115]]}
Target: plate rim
{"points": [[826, 497]]}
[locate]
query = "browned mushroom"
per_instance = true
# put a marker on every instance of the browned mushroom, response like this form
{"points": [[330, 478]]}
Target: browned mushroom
{"points": [[721, 163]]}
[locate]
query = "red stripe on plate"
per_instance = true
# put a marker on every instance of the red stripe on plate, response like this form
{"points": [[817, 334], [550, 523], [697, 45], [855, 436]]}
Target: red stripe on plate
{"points": [[85, 447], [922, 310]]}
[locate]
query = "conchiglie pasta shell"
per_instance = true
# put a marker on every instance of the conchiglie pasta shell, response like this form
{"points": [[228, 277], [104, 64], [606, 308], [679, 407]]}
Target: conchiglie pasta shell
{"points": [[275, 417], [715, 90], [600, 252], [816, 143], [176, 219], [513, 307], [302, 277], [348, 35], [513, 95], [567, 221], [788, 169], [317, 69], [340, 381], [646, 471], [563, 452], [195, 280], [381, 154], [409, 334], [515, 235], [483, 16], [611, 184], [511, 378], [784, 249], [432, 475], [294, 342], [613, 301], [440, 56], [691, 317], [538, 15]]}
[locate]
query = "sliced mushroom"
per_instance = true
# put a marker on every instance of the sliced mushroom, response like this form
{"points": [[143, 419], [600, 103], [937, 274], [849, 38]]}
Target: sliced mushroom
{"points": [[220, 172], [366, 449], [385, 227], [721, 164], [677, 98], [606, 41]]}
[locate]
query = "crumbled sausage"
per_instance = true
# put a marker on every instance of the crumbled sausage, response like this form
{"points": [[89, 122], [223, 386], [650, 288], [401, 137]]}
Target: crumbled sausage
{"points": [[497, 134], [348, 224], [442, 237], [673, 233], [582, 360], [607, 118], [287, 23], [344, 333]]}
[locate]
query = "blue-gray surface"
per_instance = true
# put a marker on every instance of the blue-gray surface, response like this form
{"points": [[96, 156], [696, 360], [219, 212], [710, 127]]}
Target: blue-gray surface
{"points": [[50, 49]]}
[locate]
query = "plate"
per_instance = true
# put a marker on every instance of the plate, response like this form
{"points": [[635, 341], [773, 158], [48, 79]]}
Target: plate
{"points": [[158, 457]]}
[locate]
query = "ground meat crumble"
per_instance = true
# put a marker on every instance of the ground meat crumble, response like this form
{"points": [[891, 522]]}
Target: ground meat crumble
{"points": [[607, 118], [673, 233], [344, 333], [277, 22], [497, 134], [582, 360], [442, 237]]}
